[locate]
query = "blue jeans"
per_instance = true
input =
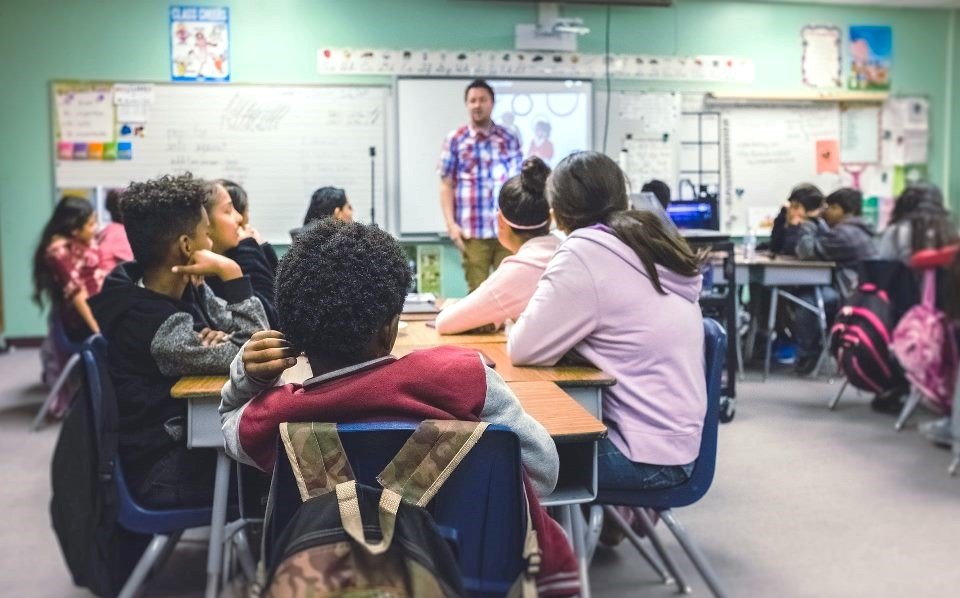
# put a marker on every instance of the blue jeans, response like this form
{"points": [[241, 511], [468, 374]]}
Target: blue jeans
{"points": [[616, 472]]}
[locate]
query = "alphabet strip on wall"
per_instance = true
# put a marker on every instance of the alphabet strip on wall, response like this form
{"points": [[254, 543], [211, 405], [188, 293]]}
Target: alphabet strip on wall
{"points": [[533, 64]]}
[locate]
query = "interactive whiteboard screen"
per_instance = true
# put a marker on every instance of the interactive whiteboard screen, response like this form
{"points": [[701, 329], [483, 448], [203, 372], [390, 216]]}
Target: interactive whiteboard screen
{"points": [[552, 119]]}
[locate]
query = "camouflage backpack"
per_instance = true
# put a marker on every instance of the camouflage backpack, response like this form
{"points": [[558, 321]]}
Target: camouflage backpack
{"points": [[332, 545]]}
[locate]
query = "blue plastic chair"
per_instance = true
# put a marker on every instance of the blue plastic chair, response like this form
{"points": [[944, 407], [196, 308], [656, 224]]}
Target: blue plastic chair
{"points": [[64, 347], [166, 525], [663, 501], [480, 509]]}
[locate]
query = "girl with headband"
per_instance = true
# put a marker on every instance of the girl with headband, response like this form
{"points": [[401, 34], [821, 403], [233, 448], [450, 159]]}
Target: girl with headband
{"points": [[523, 227]]}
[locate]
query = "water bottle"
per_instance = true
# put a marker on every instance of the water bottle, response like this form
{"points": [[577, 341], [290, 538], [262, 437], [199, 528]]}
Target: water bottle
{"points": [[750, 245]]}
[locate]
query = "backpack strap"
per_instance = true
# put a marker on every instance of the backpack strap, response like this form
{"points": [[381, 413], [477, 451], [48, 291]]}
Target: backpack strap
{"points": [[428, 457], [525, 586], [316, 457]]}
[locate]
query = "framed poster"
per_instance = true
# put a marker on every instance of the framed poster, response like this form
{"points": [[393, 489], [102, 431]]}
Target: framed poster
{"points": [[199, 43]]}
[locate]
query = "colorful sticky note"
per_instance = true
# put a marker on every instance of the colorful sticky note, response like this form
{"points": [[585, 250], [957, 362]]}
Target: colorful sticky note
{"points": [[65, 150], [94, 151], [124, 150], [828, 156], [110, 151], [79, 151]]}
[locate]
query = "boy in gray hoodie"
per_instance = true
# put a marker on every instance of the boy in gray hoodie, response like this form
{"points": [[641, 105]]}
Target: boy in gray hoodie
{"points": [[843, 237]]}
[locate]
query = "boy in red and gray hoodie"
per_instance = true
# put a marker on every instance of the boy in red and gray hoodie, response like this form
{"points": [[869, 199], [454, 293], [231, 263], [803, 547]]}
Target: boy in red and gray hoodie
{"points": [[340, 291]]}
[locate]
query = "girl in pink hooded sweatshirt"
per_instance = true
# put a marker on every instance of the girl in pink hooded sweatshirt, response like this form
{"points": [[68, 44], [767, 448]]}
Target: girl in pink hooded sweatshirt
{"points": [[523, 228], [622, 292]]}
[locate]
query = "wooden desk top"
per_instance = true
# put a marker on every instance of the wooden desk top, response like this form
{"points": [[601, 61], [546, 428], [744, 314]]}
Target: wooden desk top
{"points": [[566, 375], [418, 334], [564, 419]]}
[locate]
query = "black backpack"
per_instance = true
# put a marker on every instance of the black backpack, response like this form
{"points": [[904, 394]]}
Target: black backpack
{"points": [[860, 340], [99, 553]]}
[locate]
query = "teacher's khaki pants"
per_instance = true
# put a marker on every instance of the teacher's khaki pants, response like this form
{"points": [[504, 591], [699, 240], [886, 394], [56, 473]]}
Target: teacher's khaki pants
{"points": [[480, 256]]}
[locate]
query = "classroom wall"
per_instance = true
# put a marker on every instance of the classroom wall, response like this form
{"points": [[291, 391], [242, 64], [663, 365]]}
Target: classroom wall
{"points": [[276, 42]]}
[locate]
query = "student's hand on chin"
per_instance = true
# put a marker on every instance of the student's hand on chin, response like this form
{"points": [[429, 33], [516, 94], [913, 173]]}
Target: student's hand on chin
{"points": [[248, 232], [204, 262], [267, 355]]}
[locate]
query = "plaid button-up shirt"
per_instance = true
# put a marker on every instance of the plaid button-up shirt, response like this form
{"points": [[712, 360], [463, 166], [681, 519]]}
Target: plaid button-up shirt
{"points": [[479, 162]]}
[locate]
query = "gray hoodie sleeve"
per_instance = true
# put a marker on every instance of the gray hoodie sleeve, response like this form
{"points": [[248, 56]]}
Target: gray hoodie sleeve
{"points": [[807, 241], [538, 453], [239, 390], [176, 347]]}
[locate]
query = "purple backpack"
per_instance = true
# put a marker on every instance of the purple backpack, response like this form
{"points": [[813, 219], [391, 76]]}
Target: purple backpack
{"points": [[926, 348], [860, 340]]}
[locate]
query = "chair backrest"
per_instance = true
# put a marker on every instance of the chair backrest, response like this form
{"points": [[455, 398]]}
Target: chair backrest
{"points": [[714, 349], [58, 333], [102, 402], [482, 501]]}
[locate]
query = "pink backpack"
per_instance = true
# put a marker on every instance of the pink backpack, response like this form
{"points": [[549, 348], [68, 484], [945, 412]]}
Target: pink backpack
{"points": [[926, 348]]}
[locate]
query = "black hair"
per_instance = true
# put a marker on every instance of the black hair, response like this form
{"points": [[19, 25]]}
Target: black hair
{"points": [[807, 195], [588, 188], [337, 286], [323, 202], [70, 213], [849, 200], [158, 211], [660, 190], [522, 198], [113, 206], [479, 84], [931, 226], [238, 196]]}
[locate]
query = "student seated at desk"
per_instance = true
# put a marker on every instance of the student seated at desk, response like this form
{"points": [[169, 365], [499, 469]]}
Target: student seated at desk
{"points": [[919, 221], [805, 203], [623, 293], [230, 239], [241, 203], [326, 202], [523, 228], [660, 190], [842, 237], [112, 240], [159, 326], [340, 291]]}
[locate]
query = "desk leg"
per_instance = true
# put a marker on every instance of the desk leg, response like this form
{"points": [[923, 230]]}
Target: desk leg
{"points": [[771, 324], [735, 334], [579, 535], [822, 322], [218, 523]]}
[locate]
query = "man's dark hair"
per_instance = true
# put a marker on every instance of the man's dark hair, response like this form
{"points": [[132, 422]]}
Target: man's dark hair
{"points": [[113, 206], [660, 190], [339, 283], [807, 195], [849, 200], [158, 211], [479, 84]]}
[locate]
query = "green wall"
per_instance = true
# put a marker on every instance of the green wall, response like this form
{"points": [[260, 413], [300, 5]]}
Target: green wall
{"points": [[276, 41]]}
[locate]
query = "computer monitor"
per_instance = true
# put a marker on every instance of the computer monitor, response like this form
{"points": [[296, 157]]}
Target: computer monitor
{"points": [[694, 214]]}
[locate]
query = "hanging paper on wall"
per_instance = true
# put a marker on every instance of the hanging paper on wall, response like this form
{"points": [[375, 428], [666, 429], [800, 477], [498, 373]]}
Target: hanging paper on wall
{"points": [[860, 135], [871, 55], [85, 115], [822, 63], [199, 43], [828, 156]]}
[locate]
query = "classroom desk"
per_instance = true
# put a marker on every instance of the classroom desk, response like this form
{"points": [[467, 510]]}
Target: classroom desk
{"points": [[584, 383], [784, 271], [574, 430], [418, 334]]}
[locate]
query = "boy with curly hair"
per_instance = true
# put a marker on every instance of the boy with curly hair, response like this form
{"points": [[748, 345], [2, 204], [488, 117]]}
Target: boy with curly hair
{"points": [[161, 322], [340, 291]]}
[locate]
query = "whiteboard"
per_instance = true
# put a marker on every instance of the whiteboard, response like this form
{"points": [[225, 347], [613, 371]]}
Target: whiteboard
{"points": [[429, 109], [767, 150], [279, 142]]}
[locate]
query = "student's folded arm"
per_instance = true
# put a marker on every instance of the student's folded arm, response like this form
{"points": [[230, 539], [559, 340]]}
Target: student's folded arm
{"points": [[178, 351], [239, 390], [538, 453], [241, 315], [808, 241], [479, 308], [561, 313]]}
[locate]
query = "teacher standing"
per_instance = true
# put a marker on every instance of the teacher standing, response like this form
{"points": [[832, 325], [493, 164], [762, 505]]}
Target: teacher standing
{"points": [[477, 160]]}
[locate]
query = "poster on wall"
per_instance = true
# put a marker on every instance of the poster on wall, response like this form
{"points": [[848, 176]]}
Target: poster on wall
{"points": [[199, 43], [871, 57], [822, 62]]}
